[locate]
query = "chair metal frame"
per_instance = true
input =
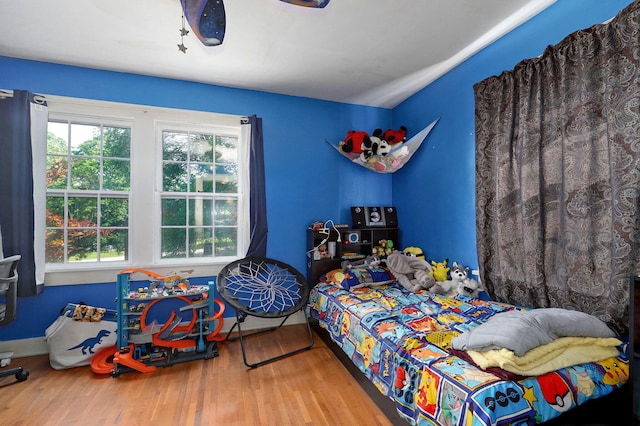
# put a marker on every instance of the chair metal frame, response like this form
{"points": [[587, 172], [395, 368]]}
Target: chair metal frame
{"points": [[9, 289], [244, 306]]}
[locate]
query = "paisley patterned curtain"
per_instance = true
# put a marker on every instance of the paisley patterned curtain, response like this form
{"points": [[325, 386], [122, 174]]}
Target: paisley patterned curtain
{"points": [[558, 174]]}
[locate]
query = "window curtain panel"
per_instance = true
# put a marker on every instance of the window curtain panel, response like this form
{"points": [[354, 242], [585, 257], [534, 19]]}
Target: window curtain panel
{"points": [[23, 124], [258, 199], [558, 173]]}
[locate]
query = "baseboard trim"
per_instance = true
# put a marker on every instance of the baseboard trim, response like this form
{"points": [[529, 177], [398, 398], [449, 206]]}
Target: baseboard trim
{"points": [[38, 345]]}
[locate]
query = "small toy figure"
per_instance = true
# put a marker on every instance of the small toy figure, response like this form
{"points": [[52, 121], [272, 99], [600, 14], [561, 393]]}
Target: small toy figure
{"points": [[461, 283], [324, 252], [440, 270]]}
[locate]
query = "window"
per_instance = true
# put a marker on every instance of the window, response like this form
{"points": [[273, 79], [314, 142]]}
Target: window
{"points": [[199, 201], [88, 183], [144, 187]]}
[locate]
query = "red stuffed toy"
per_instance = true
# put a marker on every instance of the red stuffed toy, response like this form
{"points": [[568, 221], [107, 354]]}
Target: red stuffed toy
{"points": [[395, 136], [355, 142]]}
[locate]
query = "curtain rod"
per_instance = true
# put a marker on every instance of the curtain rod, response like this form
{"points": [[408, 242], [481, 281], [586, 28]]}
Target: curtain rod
{"points": [[37, 98]]}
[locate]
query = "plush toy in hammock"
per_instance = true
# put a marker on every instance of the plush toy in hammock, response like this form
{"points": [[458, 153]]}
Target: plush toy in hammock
{"points": [[392, 157]]}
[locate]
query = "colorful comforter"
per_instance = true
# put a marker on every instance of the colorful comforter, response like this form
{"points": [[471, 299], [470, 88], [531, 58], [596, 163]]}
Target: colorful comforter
{"points": [[402, 342]]}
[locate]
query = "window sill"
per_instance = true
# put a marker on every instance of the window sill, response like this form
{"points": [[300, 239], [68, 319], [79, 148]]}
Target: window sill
{"points": [[102, 274]]}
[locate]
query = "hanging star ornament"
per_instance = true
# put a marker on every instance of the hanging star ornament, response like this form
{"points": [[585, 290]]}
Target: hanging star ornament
{"points": [[183, 33]]}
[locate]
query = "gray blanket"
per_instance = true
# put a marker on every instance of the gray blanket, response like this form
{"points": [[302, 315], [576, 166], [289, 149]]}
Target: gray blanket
{"points": [[521, 331]]}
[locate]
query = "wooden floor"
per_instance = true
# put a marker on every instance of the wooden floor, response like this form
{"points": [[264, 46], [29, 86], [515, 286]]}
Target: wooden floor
{"points": [[310, 388]]}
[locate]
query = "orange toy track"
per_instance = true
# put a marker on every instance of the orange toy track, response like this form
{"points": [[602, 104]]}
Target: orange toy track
{"points": [[102, 361], [215, 336], [125, 357], [144, 271]]}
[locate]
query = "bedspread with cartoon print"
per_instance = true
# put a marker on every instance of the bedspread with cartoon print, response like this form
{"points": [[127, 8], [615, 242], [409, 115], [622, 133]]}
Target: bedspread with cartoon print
{"points": [[401, 342]]}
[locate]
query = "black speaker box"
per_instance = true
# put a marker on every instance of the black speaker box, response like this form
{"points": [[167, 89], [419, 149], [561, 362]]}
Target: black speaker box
{"points": [[362, 217], [391, 217], [358, 217]]}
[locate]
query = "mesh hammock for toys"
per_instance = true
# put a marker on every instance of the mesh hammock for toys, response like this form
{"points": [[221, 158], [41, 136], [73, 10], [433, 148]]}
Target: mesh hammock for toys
{"points": [[395, 159]]}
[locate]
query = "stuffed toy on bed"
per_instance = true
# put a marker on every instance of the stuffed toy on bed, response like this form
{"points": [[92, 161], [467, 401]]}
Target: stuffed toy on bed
{"points": [[461, 283], [412, 273]]}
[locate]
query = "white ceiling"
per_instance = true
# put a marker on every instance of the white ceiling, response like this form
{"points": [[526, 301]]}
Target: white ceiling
{"points": [[374, 53]]}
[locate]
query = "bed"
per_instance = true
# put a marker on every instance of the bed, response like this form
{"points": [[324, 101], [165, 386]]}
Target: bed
{"points": [[401, 342]]}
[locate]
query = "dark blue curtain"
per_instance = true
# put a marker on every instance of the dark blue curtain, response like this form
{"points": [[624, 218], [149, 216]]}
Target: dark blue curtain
{"points": [[258, 206], [16, 186]]}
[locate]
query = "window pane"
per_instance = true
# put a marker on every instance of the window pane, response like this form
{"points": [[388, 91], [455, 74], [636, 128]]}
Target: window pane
{"points": [[117, 142], [174, 241], [56, 172], [114, 212], [227, 179], [114, 245], [202, 148], [201, 178], [175, 177], [55, 212], [200, 242], [85, 174], [85, 140], [226, 213], [226, 149], [54, 250], [200, 212], [83, 211], [82, 244], [57, 136], [115, 175], [225, 242], [175, 146], [174, 212]]}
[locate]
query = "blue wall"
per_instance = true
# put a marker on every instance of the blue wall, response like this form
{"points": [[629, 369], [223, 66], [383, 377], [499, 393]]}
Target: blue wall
{"points": [[436, 191], [306, 180]]}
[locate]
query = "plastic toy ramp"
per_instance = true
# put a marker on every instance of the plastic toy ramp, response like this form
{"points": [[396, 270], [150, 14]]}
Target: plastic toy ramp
{"points": [[125, 357]]}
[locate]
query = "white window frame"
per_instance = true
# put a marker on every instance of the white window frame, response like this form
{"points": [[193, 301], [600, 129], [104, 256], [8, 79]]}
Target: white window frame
{"points": [[146, 185]]}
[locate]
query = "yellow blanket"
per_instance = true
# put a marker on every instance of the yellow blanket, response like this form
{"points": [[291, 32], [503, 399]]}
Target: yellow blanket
{"points": [[562, 352]]}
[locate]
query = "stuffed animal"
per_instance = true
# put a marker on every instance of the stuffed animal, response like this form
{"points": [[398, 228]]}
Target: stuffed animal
{"points": [[389, 248], [412, 273], [383, 147], [355, 141], [371, 145], [461, 283], [439, 270], [414, 251], [395, 136], [367, 262]]}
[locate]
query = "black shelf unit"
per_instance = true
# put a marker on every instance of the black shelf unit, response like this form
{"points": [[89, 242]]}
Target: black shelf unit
{"points": [[353, 242]]}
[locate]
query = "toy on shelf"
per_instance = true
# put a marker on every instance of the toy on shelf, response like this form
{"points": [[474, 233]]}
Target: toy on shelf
{"points": [[188, 334]]}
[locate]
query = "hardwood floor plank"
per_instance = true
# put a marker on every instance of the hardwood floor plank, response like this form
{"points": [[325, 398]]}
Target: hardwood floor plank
{"points": [[309, 388]]}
